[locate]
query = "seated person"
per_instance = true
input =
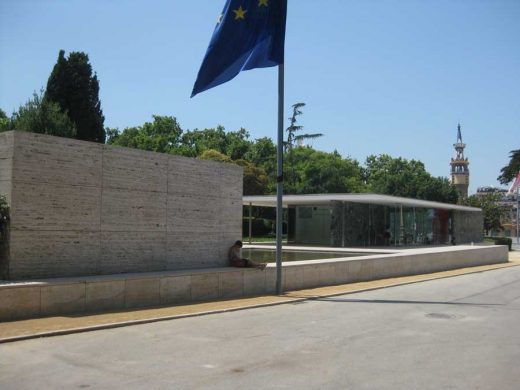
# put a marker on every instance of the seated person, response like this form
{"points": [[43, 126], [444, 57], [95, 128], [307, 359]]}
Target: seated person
{"points": [[236, 260]]}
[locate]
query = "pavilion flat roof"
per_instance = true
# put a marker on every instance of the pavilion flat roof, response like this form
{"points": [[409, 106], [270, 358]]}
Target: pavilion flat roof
{"points": [[326, 199]]}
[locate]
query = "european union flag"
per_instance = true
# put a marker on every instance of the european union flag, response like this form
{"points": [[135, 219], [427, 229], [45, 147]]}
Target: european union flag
{"points": [[249, 34]]}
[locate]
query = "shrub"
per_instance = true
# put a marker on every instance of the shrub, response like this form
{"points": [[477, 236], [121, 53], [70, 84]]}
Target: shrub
{"points": [[503, 241], [260, 226], [4, 212]]}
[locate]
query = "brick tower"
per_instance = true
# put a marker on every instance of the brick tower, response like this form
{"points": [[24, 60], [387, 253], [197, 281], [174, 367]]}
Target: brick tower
{"points": [[459, 167]]}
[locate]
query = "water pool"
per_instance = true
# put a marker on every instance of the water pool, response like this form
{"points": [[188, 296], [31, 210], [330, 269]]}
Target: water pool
{"points": [[269, 255]]}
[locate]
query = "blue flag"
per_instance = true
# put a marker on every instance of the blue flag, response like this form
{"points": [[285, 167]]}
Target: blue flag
{"points": [[249, 34]]}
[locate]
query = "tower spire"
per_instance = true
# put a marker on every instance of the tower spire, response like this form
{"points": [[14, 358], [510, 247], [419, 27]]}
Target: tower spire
{"points": [[459, 167]]}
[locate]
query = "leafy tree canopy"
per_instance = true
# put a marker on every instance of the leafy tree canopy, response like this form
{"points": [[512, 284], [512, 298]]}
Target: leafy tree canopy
{"points": [[42, 116], [234, 144], [163, 135], [509, 172], [322, 172], [4, 121], [255, 179], [492, 210], [408, 178], [214, 155], [313, 171]]}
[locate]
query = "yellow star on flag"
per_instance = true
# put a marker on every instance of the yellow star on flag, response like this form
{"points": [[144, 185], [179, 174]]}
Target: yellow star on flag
{"points": [[240, 13], [263, 3]]}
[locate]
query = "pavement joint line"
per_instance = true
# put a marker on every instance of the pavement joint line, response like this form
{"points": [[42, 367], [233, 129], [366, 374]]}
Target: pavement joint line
{"points": [[288, 297]]}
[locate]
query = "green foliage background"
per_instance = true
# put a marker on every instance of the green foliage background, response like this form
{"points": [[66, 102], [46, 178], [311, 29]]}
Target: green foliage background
{"points": [[312, 171]]}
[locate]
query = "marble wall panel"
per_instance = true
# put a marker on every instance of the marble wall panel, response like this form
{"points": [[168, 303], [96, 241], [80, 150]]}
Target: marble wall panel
{"points": [[270, 280], [42, 206], [254, 282], [175, 289], [231, 181], [133, 169], [329, 275], [230, 216], [42, 254], [108, 295], [62, 298], [193, 177], [6, 144], [204, 286], [311, 276], [142, 292], [19, 303], [191, 250], [467, 226], [127, 210], [5, 189], [199, 212], [293, 277], [46, 159], [132, 252], [231, 284], [6, 156]]}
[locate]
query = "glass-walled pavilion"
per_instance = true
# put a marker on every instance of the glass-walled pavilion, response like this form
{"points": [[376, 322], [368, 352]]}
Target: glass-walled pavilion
{"points": [[371, 220]]}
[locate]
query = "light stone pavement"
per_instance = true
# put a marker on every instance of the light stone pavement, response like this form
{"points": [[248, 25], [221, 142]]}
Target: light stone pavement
{"points": [[452, 333]]}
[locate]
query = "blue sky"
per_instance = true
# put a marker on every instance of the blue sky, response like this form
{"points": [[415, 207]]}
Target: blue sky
{"points": [[378, 76]]}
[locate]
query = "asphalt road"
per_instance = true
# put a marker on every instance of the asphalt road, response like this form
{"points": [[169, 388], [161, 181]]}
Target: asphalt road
{"points": [[455, 333]]}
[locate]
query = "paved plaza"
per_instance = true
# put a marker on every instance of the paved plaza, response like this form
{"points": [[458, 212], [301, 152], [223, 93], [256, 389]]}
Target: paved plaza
{"points": [[457, 333]]}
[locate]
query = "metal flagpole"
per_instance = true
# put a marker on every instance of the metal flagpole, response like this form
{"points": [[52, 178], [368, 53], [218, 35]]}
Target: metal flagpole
{"points": [[517, 214], [279, 182]]}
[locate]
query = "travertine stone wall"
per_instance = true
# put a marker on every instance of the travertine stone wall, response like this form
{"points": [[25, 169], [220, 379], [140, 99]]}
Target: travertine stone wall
{"points": [[80, 208]]}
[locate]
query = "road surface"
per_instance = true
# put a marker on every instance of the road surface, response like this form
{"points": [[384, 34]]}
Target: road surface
{"points": [[454, 333]]}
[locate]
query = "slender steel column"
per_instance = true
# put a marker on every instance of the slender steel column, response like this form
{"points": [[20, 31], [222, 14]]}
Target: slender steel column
{"points": [[279, 182], [250, 221]]}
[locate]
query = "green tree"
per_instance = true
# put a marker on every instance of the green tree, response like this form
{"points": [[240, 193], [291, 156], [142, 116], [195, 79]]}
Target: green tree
{"points": [[294, 140], [262, 153], [492, 210], [322, 172], [254, 179], [195, 142], [42, 116], [234, 144], [437, 189], [72, 85], [214, 155], [509, 172], [4, 121], [237, 144], [163, 135], [408, 178]]}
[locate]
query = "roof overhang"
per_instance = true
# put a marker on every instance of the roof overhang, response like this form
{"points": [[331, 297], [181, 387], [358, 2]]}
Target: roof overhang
{"points": [[326, 199]]}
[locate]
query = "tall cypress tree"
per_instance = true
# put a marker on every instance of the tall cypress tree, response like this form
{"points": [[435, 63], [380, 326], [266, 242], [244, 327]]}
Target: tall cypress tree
{"points": [[72, 85]]}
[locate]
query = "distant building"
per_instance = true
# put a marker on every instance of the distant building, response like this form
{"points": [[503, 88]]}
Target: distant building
{"points": [[483, 191], [459, 168]]}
